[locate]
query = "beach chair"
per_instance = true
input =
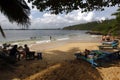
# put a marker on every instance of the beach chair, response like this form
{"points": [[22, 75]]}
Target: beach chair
{"points": [[30, 56], [39, 56]]}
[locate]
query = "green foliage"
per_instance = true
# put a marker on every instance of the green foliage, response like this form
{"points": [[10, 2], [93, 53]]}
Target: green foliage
{"points": [[85, 26], [60, 6], [115, 29], [104, 27]]}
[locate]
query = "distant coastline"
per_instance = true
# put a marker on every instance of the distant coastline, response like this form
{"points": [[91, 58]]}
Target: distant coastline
{"points": [[35, 29]]}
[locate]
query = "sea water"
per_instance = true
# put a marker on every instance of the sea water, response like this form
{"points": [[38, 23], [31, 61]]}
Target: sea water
{"points": [[41, 36]]}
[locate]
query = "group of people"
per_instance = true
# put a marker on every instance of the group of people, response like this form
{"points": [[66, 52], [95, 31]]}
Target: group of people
{"points": [[89, 56], [107, 38], [15, 52]]}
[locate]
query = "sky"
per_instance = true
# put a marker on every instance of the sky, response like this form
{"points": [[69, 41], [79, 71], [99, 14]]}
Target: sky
{"points": [[45, 20]]}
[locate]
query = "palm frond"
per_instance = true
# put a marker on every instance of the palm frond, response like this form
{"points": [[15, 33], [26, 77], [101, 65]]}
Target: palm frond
{"points": [[16, 11]]}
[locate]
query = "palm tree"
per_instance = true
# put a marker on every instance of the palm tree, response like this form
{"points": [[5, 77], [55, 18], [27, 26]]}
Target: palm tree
{"points": [[16, 11]]}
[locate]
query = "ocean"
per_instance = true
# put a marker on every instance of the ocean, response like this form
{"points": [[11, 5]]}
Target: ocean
{"points": [[41, 36]]}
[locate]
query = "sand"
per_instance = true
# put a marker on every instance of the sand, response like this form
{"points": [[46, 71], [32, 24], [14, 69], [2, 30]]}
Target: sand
{"points": [[59, 63]]}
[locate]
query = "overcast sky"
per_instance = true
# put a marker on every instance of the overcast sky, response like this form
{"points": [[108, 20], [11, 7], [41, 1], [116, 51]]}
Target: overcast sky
{"points": [[40, 20]]}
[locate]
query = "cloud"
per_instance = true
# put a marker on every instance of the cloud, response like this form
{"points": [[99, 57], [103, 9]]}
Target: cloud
{"points": [[58, 21], [46, 20], [4, 22]]}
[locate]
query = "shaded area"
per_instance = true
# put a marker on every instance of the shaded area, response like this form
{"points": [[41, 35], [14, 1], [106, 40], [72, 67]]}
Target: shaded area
{"points": [[70, 70], [56, 65], [21, 69]]}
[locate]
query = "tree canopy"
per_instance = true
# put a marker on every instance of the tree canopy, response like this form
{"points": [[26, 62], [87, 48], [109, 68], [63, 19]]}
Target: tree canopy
{"points": [[18, 10], [60, 6]]}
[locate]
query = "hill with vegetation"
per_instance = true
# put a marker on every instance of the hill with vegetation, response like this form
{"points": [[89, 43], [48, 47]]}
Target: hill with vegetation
{"points": [[103, 26], [84, 26]]}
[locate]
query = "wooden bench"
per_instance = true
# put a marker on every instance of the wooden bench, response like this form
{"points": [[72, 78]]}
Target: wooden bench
{"points": [[113, 46]]}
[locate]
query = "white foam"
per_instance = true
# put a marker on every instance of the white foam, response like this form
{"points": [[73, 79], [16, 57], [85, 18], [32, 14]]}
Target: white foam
{"points": [[62, 39], [15, 43], [94, 36], [44, 41]]}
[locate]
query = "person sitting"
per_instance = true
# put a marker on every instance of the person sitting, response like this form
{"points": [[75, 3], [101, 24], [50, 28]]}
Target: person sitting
{"points": [[27, 51], [90, 55], [104, 38], [108, 38], [13, 52], [21, 52], [86, 52]]}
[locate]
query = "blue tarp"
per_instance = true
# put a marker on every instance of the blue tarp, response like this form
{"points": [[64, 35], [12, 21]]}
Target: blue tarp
{"points": [[99, 57]]}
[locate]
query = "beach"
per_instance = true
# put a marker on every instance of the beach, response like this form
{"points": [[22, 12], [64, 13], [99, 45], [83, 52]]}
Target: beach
{"points": [[59, 63], [64, 50]]}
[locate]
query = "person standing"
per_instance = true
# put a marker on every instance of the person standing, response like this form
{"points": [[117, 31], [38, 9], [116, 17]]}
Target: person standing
{"points": [[50, 38]]}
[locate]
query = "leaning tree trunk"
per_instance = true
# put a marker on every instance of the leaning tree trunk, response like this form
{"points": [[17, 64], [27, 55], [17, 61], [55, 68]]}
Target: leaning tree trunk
{"points": [[2, 32]]}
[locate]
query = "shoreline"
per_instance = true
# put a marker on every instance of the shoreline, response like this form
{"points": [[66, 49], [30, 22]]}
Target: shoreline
{"points": [[31, 42]]}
